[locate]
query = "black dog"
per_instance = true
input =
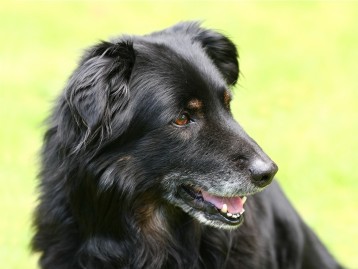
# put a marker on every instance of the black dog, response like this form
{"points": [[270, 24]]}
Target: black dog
{"points": [[143, 166]]}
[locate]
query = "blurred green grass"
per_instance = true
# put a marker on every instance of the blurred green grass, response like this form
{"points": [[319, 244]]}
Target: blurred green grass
{"points": [[297, 96]]}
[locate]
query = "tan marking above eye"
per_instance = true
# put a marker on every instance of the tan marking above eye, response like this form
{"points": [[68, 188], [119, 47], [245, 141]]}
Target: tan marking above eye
{"points": [[195, 104], [227, 98]]}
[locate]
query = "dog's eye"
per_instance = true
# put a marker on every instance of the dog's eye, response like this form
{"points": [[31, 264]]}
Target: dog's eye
{"points": [[183, 119]]}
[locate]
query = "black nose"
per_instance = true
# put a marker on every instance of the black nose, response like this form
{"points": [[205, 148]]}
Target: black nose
{"points": [[262, 172]]}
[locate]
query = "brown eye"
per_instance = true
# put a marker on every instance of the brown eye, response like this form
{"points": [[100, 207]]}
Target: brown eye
{"points": [[183, 119]]}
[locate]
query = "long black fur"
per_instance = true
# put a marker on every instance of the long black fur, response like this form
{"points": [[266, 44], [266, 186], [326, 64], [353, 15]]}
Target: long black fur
{"points": [[113, 160]]}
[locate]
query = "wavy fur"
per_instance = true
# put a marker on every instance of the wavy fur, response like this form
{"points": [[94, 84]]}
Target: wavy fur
{"points": [[113, 162]]}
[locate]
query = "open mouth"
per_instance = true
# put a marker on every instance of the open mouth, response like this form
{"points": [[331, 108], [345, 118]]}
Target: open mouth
{"points": [[228, 210]]}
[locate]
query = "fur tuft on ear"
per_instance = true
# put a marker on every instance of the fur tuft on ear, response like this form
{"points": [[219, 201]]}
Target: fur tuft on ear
{"points": [[220, 49], [101, 78]]}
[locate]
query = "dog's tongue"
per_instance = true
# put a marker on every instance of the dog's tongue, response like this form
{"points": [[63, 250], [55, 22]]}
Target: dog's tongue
{"points": [[234, 204]]}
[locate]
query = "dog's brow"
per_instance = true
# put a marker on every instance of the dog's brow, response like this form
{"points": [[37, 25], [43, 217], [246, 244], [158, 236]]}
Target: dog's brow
{"points": [[227, 98], [195, 104]]}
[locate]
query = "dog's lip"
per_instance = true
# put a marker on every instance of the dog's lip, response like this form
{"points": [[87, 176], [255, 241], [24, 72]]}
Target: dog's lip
{"points": [[227, 209]]}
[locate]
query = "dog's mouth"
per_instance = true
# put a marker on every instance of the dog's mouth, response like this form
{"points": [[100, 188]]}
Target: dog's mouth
{"points": [[228, 210]]}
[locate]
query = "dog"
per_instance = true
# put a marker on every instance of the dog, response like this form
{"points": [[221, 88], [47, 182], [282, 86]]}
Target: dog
{"points": [[144, 166]]}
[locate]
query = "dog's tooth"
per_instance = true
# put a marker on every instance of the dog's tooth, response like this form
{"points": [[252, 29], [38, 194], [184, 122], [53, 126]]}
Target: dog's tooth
{"points": [[242, 211], [224, 208], [229, 214], [235, 216], [243, 199]]}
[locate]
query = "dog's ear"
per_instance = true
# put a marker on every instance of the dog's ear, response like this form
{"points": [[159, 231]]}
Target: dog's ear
{"points": [[220, 49], [98, 87]]}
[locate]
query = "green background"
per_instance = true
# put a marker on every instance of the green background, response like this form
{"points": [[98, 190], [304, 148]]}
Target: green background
{"points": [[297, 97]]}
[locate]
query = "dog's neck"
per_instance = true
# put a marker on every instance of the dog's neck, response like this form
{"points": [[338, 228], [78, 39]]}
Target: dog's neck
{"points": [[143, 233], [179, 239], [163, 237]]}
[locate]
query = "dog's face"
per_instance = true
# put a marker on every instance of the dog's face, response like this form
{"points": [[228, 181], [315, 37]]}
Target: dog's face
{"points": [[156, 110]]}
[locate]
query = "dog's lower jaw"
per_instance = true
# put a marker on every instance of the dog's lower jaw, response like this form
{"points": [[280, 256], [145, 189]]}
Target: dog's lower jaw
{"points": [[209, 209], [203, 218]]}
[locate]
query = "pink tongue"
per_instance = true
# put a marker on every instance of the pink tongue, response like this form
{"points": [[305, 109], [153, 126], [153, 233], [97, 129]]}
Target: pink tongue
{"points": [[234, 204]]}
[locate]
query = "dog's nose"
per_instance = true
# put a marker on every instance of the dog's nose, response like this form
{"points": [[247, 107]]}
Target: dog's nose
{"points": [[262, 172]]}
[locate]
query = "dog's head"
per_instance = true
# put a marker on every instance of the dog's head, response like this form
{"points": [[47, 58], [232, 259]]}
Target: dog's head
{"points": [[152, 116]]}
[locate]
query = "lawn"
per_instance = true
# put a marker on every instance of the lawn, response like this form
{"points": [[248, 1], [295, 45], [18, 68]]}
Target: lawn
{"points": [[297, 96]]}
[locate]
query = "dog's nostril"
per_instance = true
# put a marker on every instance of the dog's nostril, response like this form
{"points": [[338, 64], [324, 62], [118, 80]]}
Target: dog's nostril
{"points": [[265, 177], [262, 172]]}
